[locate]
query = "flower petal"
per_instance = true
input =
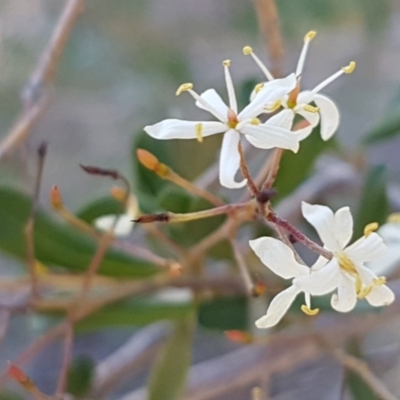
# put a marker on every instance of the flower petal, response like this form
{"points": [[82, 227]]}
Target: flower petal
{"points": [[343, 226], [123, 227], [367, 248], [214, 99], [380, 296], [278, 257], [330, 116], [346, 298], [229, 162], [322, 281], [323, 220], [266, 136], [271, 92], [284, 119], [179, 129], [278, 307]]}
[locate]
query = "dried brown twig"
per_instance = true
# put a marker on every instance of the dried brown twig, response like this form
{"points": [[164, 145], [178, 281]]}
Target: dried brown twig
{"points": [[35, 94]]}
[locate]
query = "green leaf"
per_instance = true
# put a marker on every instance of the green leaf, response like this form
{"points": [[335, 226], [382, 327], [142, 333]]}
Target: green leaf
{"points": [[168, 378], [10, 396], [294, 168], [389, 126], [137, 311], [373, 206], [57, 243], [80, 375], [224, 314]]}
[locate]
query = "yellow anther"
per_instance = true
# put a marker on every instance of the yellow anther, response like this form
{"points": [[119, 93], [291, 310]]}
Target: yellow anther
{"points": [[359, 285], [274, 106], [199, 132], [363, 293], [247, 50], [308, 311], [310, 35], [258, 87], [369, 228], [350, 68], [255, 121], [395, 217], [184, 88], [381, 280], [310, 108], [226, 63]]}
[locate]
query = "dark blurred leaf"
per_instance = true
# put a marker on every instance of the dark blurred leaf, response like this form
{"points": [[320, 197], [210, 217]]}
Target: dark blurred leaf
{"points": [[389, 125], [358, 388], [225, 314], [10, 396], [59, 244], [373, 206], [168, 378], [138, 311], [80, 375], [295, 168]]}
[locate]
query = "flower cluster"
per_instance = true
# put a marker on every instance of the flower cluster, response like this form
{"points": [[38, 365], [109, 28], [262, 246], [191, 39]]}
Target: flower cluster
{"points": [[341, 269]]}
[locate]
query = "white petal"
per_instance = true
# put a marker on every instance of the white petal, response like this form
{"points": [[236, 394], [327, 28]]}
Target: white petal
{"points": [[179, 129], [346, 297], [284, 119], [214, 99], [320, 263], [366, 249], [330, 116], [321, 282], [303, 133], [123, 227], [389, 262], [323, 220], [367, 276], [380, 296], [311, 117], [230, 88], [278, 257], [271, 92], [229, 162], [343, 226], [266, 136], [278, 307]]}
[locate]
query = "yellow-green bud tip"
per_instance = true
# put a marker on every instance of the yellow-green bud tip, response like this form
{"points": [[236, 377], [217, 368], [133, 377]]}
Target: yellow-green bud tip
{"points": [[310, 35], [226, 63], [184, 88], [247, 50], [350, 68]]}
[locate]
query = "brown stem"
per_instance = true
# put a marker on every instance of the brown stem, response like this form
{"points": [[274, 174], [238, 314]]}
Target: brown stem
{"points": [[274, 168], [246, 173], [66, 360], [268, 22], [244, 272], [34, 97], [300, 237]]}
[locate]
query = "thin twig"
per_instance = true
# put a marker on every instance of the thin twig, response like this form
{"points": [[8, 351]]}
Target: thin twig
{"points": [[246, 173], [244, 272], [268, 21], [274, 168], [360, 368], [66, 361], [35, 96], [30, 224]]}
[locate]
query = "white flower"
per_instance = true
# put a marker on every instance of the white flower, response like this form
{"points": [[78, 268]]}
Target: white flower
{"points": [[298, 102], [279, 258], [345, 272], [125, 224], [232, 124], [390, 233]]}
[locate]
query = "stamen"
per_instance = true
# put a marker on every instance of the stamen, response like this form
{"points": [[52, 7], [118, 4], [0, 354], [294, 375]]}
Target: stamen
{"points": [[369, 228], [229, 86], [363, 293], [247, 50], [350, 68], [308, 311], [232, 119], [307, 39], [258, 87], [346, 264], [311, 108], [277, 104], [292, 100], [255, 121], [359, 284], [199, 132], [184, 88], [395, 217], [381, 280]]}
